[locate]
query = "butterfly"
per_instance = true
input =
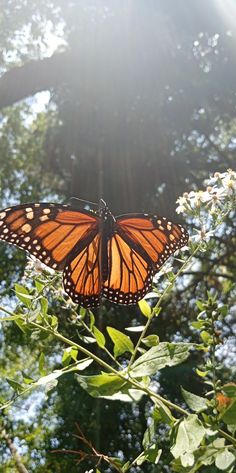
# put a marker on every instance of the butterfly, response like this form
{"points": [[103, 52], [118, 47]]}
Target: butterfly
{"points": [[99, 254]]}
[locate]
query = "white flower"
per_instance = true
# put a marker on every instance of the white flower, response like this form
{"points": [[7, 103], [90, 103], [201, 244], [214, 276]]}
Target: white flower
{"points": [[201, 235], [34, 264], [229, 183]]}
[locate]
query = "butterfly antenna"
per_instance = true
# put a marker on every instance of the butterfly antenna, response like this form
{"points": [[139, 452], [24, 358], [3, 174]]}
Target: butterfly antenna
{"points": [[76, 199]]}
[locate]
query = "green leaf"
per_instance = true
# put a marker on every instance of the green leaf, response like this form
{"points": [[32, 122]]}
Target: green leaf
{"points": [[151, 340], [138, 328], [125, 467], [39, 285], [69, 354], [188, 435], [224, 310], [164, 354], [126, 394], [152, 455], [162, 413], [21, 325], [199, 324], [42, 363], [229, 389], [200, 305], [92, 320], [48, 378], [122, 342], [187, 459], [53, 321], [224, 459], [27, 379], [170, 276], [23, 295], [104, 384], [18, 388], [149, 434], [196, 403], [86, 339], [145, 308], [44, 305], [101, 341], [78, 366], [202, 374], [206, 337], [229, 416]]}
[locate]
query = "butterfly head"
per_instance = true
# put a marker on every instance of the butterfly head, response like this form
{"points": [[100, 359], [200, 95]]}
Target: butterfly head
{"points": [[104, 211]]}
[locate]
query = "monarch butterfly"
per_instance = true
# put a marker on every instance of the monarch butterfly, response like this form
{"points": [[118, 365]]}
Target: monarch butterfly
{"points": [[100, 255]]}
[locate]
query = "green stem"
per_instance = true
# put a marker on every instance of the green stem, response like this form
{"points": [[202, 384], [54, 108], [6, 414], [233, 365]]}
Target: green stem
{"points": [[227, 436], [158, 305], [109, 368], [81, 321], [124, 376]]}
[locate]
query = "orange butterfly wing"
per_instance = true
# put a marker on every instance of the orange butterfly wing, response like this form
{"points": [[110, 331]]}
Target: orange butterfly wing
{"points": [[82, 274], [73, 241], [129, 275], [138, 248], [155, 237], [47, 231]]}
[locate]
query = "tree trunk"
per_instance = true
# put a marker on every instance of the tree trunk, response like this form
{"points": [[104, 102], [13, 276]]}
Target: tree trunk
{"points": [[34, 76]]}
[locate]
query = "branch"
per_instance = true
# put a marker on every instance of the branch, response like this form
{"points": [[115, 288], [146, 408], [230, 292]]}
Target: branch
{"points": [[14, 452], [34, 76]]}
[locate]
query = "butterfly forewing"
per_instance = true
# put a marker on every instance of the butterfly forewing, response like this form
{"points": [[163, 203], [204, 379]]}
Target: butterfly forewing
{"points": [[129, 275], [47, 231], [155, 237]]}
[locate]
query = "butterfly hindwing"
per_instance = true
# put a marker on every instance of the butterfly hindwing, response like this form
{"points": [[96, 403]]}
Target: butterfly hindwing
{"points": [[82, 273], [129, 275], [47, 231]]}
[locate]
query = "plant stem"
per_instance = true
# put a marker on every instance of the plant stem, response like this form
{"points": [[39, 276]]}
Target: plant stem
{"points": [[158, 305], [81, 321], [123, 375]]}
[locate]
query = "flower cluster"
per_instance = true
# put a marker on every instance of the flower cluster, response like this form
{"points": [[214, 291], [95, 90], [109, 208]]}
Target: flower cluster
{"points": [[220, 189]]}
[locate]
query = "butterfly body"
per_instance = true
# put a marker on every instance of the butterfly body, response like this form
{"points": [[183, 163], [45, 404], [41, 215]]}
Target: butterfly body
{"points": [[106, 229], [99, 254]]}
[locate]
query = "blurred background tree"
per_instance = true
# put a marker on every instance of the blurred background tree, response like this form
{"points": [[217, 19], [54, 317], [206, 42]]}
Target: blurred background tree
{"points": [[133, 102]]}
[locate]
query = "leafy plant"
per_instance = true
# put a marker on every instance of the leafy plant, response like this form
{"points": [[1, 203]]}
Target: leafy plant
{"points": [[202, 433]]}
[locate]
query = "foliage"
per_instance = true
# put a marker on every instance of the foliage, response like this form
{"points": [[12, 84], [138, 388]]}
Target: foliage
{"points": [[199, 435]]}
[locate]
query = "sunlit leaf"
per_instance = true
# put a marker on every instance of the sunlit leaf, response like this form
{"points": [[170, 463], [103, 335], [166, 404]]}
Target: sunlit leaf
{"points": [[196, 403], [145, 308], [23, 295], [44, 305], [122, 343], [105, 384], [187, 436], [101, 341], [229, 416], [224, 459], [41, 363], [138, 328], [158, 357], [151, 340], [202, 374], [187, 459]]}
